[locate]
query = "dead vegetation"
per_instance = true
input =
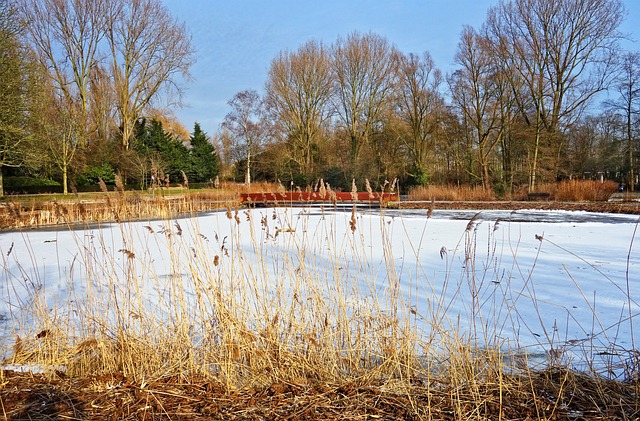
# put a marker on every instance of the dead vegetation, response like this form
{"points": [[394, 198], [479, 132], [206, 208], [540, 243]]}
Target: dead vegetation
{"points": [[120, 205], [233, 353], [451, 193], [564, 191], [550, 395]]}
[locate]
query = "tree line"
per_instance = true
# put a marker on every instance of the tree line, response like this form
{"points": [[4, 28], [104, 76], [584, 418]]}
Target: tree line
{"points": [[540, 92], [86, 84], [523, 105]]}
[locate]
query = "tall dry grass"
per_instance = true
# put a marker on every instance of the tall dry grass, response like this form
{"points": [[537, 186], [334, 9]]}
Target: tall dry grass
{"points": [[451, 192], [566, 190], [581, 190], [293, 304], [21, 212]]}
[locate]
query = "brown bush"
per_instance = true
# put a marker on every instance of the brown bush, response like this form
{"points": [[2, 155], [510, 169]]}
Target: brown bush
{"points": [[451, 192], [585, 190], [575, 190], [564, 191]]}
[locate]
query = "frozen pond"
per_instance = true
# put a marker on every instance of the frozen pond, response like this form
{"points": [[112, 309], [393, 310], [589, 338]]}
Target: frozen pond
{"points": [[546, 283]]}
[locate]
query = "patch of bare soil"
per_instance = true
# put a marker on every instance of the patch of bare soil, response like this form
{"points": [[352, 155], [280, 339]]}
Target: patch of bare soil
{"points": [[551, 394]]}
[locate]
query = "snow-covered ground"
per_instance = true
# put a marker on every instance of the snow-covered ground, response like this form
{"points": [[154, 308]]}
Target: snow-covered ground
{"points": [[563, 284]]}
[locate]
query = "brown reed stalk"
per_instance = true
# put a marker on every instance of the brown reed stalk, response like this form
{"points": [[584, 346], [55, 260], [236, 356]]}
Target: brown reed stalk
{"points": [[185, 180], [368, 188], [354, 191], [119, 185]]}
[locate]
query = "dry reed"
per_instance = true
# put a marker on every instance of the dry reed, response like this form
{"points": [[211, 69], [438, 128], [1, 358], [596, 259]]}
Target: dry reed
{"points": [[567, 190], [583, 190], [283, 336], [451, 193], [120, 205]]}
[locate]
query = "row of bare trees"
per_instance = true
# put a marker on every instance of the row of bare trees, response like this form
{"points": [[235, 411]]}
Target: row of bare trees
{"points": [[332, 108], [524, 85], [524, 103]]}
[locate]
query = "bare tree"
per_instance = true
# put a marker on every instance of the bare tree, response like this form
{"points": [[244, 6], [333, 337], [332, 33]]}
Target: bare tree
{"points": [[363, 71], [562, 51], [419, 105], [245, 127], [297, 93], [149, 52], [102, 110], [58, 131], [475, 92], [627, 85], [66, 36]]}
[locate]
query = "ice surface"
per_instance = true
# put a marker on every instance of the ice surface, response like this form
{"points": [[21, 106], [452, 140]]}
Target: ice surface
{"points": [[534, 281]]}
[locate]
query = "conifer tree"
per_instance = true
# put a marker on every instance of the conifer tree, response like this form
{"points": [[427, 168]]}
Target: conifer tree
{"points": [[163, 151], [205, 163]]}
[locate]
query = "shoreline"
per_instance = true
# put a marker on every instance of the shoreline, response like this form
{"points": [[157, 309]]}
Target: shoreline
{"points": [[103, 213], [632, 208]]}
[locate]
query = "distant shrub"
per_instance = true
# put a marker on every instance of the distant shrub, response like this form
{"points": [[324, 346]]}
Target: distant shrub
{"points": [[573, 190], [27, 182], [30, 185], [94, 173], [585, 190]]}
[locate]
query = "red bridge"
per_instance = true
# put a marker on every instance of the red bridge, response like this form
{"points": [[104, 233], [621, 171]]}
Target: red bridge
{"points": [[317, 197]]}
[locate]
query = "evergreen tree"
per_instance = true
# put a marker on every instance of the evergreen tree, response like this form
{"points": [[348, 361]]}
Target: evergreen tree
{"points": [[205, 163], [169, 155]]}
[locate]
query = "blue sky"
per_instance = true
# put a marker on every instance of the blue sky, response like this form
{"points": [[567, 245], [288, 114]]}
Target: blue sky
{"points": [[236, 40]]}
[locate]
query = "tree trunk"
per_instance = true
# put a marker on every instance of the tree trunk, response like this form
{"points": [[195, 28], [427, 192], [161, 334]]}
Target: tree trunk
{"points": [[632, 180], [484, 164], [247, 179], [354, 156], [485, 175], [534, 164], [127, 134], [65, 171], [507, 171], [308, 160]]}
